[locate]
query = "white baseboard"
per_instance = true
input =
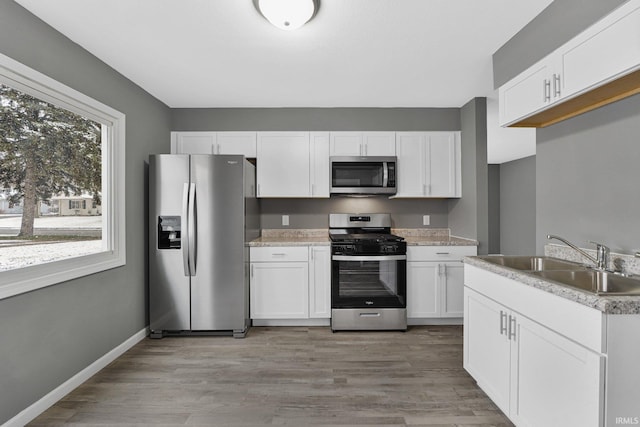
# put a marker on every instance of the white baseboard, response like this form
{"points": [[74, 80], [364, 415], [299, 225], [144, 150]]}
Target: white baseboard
{"points": [[37, 408]]}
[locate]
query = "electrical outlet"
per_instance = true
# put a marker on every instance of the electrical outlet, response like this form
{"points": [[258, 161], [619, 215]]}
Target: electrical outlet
{"points": [[426, 220], [285, 219]]}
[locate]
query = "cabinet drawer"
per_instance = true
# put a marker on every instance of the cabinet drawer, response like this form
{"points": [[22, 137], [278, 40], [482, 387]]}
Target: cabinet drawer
{"points": [[279, 253], [439, 253]]}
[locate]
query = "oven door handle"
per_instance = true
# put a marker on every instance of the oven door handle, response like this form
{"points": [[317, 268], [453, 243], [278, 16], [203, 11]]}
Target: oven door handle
{"points": [[369, 257]]}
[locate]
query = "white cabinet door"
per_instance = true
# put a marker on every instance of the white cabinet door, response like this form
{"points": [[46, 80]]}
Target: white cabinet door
{"points": [[346, 144], [423, 299], [319, 142], [429, 164], [236, 143], [412, 164], [554, 381], [363, 144], [283, 164], [452, 289], [378, 143], [279, 290], [529, 92], [319, 282], [608, 49], [193, 142], [487, 347], [443, 164]]}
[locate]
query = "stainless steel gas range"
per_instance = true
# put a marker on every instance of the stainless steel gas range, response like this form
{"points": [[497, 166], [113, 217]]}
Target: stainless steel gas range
{"points": [[368, 273]]}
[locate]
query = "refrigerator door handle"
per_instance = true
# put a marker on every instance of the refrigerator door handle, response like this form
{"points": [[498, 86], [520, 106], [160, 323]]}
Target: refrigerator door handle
{"points": [[185, 225], [193, 226]]}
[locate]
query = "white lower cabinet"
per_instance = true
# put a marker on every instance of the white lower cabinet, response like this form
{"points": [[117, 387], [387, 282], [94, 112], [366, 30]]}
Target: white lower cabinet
{"points": [[535, 375], [279, 290], [291, 284], [320, 282], [435, 282]]}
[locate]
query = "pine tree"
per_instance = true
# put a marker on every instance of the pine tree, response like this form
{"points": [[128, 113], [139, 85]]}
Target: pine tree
{"points": [[46, 151]]}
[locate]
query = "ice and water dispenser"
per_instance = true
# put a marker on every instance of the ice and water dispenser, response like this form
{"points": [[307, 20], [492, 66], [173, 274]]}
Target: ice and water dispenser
{"points": [[168, 232]]}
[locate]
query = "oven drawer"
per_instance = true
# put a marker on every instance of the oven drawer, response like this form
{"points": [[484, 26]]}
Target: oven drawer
{"points": [[368, 319], [279, 253], [439, 253]]}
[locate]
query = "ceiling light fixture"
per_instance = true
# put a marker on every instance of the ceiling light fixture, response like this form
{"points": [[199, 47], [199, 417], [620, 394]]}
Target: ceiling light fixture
{"points": [[287, 14]]}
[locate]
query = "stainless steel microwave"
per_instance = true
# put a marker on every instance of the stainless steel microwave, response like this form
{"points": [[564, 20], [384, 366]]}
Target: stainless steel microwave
{"points": [[363, 175]]}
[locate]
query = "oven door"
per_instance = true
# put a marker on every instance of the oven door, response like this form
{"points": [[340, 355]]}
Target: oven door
{"points": [[374, 281]]}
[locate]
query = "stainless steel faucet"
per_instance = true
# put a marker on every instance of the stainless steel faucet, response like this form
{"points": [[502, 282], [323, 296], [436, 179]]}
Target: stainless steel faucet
{"points": [[602, 252]]}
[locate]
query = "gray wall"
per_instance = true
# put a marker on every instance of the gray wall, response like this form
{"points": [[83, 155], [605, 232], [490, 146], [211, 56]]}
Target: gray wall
{"points": [[468, 216], [49, 335], [588, 175], [518, 207], [493, 178], [315, 119], [557, 24], [313, 213]]}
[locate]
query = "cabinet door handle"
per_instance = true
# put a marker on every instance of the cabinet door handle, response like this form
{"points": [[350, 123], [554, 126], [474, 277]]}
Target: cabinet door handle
{"points": [[546, 90], [251, 270], [258, 193], [512, 327], [503, 322], [442, 269], [313, 189], [556, 85]]}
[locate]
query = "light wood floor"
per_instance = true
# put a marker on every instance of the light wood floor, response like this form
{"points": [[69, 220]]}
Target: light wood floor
{"points": [[286, 376]]}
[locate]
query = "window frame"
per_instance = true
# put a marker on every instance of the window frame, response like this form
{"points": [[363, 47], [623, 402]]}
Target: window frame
{"points": [[26, 279]]}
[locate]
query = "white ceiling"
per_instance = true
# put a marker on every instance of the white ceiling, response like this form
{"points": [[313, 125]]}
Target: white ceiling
{"points": [[354, 53]]}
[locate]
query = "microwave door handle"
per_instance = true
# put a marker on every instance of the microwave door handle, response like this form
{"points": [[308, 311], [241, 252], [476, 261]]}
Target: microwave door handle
{"points": [[385, 175]]}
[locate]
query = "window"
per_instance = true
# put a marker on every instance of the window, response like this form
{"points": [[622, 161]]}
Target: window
{"points": [[92, 137], [78, 204]]}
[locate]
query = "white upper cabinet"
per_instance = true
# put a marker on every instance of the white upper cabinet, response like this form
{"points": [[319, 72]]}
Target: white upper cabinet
{"points": [[283, 164], [363, 144], [241, 143], [592, 69], [608, 49], [193, 142], [319, 164], [293, 164], [533, 90], [236, 143], [429, 164]]}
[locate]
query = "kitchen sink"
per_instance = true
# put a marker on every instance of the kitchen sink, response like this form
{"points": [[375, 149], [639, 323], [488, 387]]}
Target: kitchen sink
{"points": [[532, 263], [599, 282]]}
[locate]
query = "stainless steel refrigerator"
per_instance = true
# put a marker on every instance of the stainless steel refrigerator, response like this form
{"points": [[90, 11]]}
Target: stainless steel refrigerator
{"points": [[202, 212]]}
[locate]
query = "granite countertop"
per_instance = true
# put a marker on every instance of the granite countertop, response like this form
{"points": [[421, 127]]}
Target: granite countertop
{"points": [[292, 237], [610, 304], [432, 237], [320, 237]]}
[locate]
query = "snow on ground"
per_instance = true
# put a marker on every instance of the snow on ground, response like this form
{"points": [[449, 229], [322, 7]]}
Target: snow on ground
{"points": [[12, 257], [13, 221], [18, 254]]}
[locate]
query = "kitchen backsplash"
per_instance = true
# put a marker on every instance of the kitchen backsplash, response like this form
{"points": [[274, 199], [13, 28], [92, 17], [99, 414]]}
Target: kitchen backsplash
{"points": [[626, 263], [314, 213]]}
